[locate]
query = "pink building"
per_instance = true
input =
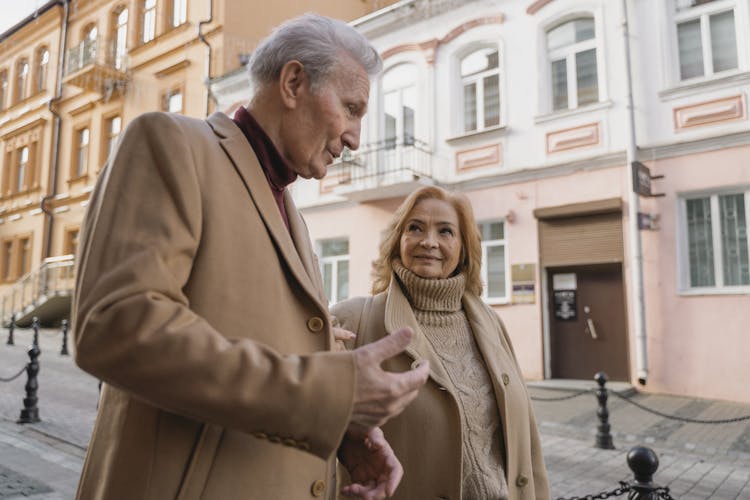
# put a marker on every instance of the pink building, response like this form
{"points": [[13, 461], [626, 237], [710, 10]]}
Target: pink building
{"points": [[524, 107]]}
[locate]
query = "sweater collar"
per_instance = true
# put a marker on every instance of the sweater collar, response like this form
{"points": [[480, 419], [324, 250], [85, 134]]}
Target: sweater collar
{"points": [[439, 295]]}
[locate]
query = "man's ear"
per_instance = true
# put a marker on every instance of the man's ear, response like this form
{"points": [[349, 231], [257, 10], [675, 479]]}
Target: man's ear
{"points": [[292, 80]]}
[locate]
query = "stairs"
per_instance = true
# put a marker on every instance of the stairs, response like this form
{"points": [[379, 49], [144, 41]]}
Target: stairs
{"points": [[45, 293]]}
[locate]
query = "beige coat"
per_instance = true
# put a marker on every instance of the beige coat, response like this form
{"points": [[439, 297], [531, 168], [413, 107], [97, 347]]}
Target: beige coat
{"points": [[426, 437], [206, 320]]}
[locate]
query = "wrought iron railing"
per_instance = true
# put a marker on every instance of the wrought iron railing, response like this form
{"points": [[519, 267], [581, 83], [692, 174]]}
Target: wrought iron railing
{"points": [[387, 162], [95, 51], [54, 277]]}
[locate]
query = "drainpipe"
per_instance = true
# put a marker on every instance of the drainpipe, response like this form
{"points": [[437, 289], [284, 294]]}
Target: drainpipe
{"points": [[202, 38], [636, 253], [50, 218]]}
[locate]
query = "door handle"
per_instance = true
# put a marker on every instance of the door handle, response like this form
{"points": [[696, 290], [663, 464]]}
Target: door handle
{"points": [[591, 328]]}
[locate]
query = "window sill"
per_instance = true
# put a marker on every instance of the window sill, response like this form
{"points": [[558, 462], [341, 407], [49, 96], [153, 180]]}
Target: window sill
{"points": [[499, 130], [566, 113], [698, 292], [142, 46], [19, 194], [699, 86], [80, 178], [497, 301]]}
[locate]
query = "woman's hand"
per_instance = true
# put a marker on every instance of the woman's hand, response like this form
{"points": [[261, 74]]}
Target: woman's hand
{"points": [[340, 335], [372, 465]]}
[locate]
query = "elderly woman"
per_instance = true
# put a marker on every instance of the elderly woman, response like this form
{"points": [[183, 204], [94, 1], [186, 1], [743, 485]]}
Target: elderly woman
{"points": [[470, 434]]}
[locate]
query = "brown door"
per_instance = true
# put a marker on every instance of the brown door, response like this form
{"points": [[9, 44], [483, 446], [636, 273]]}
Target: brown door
{"points": [[588, 330]]}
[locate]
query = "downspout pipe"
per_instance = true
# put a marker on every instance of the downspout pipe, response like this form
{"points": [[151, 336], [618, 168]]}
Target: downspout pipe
{"points": [[636, 252], [52, 189], [203, 39]]}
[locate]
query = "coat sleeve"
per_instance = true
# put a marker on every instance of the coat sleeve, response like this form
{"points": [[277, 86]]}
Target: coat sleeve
{"points": [[133, 324]]}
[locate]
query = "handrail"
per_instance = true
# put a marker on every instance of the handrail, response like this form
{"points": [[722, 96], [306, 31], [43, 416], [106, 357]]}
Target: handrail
{"points": [[387, 161], [55, 276]]}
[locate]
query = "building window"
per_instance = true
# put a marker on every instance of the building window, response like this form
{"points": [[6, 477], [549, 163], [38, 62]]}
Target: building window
{"points": [[113, 127], [22, 80], [179, 12], [399, 105], [172, 101], [706, 37], [81, 152], [24, 256], [148, 21], [42, 63], [22, 169], [70, 244], [7, 260], [572, 54], [480, 81], [716, 229], [3, 88], [120, 38], [334, 266], [494, 260]]}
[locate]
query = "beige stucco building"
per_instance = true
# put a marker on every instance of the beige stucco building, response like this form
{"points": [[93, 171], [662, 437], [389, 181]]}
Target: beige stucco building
{"points": [[72, 75]]}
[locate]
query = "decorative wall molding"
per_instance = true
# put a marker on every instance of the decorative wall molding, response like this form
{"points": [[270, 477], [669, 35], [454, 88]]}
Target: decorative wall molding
{"points": [[573, 138], [484, 156], [710, 112], [536, 6]]}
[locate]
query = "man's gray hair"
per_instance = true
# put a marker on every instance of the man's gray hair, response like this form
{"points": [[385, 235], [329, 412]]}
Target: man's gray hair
{"points": [[315, 41]]}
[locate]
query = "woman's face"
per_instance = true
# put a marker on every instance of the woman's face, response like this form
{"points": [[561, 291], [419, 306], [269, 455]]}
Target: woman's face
{"points": [[431, 240]]}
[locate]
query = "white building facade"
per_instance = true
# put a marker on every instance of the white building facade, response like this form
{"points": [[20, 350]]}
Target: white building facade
{"points": [[524, 106]]}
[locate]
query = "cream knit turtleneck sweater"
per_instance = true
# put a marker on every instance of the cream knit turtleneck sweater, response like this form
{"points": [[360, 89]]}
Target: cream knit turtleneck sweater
{"points": [[437, 308]]}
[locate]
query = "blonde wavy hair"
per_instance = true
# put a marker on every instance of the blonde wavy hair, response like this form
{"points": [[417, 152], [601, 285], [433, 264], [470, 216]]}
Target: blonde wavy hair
{"points": [[470, 261]]}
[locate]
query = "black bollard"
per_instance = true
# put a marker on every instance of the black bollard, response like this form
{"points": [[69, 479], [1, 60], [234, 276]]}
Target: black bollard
{"points": [[35, 327], [30, 411], [64, 350], [643, 462], [11, 327], [603, 437]]}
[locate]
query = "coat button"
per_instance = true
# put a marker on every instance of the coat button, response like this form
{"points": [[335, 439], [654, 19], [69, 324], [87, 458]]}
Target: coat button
{"points": [[315, 324], [318, 488], [506, 379], [522, 481]]}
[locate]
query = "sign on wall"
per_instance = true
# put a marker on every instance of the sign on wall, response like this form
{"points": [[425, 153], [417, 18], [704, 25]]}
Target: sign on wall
{"points": [[523, 279]]}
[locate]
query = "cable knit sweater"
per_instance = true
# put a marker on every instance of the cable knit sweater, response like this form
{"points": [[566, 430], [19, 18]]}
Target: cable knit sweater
{"points": [[437, 308]]}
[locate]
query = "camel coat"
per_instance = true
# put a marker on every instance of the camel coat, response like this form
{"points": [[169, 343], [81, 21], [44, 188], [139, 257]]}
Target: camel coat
{"points": [[207, 322], [426, 437]]}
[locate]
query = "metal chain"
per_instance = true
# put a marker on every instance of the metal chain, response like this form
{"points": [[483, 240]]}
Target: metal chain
{"points": [[562, 398], [621, 490], [663, 492], [10, 379], [675, 417]]}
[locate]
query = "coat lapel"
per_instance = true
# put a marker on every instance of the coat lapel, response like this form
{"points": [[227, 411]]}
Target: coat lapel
{"points": [[246, 163], [398, 314], [301, 240]]}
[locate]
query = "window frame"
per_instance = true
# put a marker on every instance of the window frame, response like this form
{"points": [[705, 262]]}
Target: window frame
{"points": [[568, 53], [75, 171], [170, 16], [4, 89], [142, 22], [41, 69], [71, 240], [703, 14], [334, 260], [168, 94], [478, 78], [21, 89], [118, 60], [484, 272], [683, 261]]}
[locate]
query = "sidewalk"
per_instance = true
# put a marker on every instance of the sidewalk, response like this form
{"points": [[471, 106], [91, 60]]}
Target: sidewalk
{"points": [[43, 461]]}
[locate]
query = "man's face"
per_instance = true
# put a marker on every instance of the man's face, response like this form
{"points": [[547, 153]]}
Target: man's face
{"points": [[327, 120]]}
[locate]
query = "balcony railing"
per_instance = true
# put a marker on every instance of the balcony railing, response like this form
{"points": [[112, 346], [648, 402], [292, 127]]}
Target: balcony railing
{"points": [[55, 277], [96, 52], [387, 162]]}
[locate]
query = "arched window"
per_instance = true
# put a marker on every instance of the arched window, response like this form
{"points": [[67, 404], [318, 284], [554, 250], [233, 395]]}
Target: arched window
{"points": [[399, 105], [90, 35], [119, 37], [480, 81], [3, 88], [148, 20], [42, 63], [571, 48], [22, 78]]}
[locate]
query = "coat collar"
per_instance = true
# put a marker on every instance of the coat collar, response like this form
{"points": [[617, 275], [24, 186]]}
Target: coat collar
{"points": [[293, 247]]}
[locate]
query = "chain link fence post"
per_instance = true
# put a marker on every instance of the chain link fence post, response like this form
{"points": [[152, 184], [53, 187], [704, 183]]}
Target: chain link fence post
{"points": [[64, 349], [11, 327], [30, 411]]}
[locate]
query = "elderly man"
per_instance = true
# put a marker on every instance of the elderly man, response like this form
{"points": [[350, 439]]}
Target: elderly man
{"points": [[199, 301]]}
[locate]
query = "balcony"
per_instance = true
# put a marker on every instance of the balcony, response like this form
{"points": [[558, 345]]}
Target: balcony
{"points": [[384, 170], [97, 66]]}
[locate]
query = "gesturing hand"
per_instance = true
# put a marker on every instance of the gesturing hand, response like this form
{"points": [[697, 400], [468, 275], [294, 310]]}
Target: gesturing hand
{"points": [[372, 465], [380, 395]]}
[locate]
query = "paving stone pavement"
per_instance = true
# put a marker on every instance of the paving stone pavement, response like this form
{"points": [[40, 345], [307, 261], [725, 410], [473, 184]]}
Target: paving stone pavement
{"points": [[697, 461]]}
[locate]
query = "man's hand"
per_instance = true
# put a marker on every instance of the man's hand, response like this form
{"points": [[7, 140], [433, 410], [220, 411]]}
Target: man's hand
{"points": [[381, 395], [340, 336], [372, 465]]}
